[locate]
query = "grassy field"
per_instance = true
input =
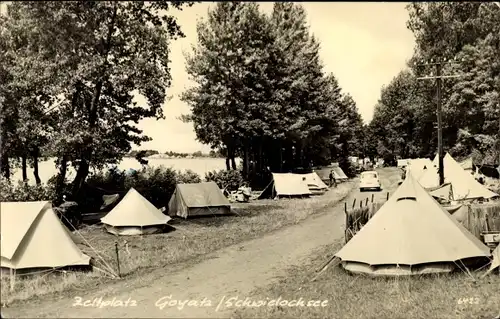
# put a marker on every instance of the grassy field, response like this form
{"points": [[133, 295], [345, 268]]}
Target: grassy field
{"points": [[190, 239], [352, 296]]}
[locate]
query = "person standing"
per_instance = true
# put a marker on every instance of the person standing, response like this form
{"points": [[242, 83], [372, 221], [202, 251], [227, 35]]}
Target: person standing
{"points": [[332, 179]]}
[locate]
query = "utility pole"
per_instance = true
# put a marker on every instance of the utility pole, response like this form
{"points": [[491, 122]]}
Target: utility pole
{"points": [[439, 77], [439, 84]]}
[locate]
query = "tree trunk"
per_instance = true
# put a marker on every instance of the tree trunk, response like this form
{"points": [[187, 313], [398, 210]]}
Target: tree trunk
{"points": [[61, 177], [82, 173], [5, 166], [233, 162], [228, 165], [35, 166], [246, 163], [24, 168], [83, 168]]}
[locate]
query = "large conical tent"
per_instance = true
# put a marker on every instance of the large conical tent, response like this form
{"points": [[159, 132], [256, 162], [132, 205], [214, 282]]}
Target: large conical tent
{"points": [[134, 215], [411, 234], [463, 184], [198, 199], [467, 165], [33, 238], [286, 184], [418, 166]]}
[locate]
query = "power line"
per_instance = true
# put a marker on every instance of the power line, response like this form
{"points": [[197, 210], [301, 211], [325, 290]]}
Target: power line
{"points": [[438, 64]]}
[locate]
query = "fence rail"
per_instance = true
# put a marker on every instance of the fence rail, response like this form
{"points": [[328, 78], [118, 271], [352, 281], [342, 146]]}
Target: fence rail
{"points": [[357, 217]]}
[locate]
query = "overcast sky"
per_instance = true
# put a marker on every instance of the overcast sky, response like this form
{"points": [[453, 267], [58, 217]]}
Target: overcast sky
{"points": [[364, 44]]}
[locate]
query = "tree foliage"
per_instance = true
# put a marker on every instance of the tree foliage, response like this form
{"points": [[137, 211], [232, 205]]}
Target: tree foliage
{"points": [[75, 69], [261, 92], [404, 121]]}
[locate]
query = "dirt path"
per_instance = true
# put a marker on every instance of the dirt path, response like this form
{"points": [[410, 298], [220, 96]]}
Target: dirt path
{"points": [[203, 290]]}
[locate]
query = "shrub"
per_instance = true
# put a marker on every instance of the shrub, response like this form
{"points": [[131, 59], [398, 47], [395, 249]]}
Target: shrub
{"points": [[156, 184], [23, 192], [188, 177], [229, 180]]}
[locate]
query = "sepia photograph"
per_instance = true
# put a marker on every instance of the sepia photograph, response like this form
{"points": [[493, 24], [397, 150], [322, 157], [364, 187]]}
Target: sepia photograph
{"points": [[238, 159]]}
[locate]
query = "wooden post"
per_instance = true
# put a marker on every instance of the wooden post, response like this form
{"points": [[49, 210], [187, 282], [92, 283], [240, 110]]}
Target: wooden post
{"points": [[387, 195], [117, 258], [372, 197], [346, 218], [360, 204], [354, 203], [12, 279], [367, 201]]}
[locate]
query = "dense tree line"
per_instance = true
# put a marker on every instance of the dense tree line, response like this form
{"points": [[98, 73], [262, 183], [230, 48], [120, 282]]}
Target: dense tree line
{"points": [[404, 122], [261, 93], [69, 73]]}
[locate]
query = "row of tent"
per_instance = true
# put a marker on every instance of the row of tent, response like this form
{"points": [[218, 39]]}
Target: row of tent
{"points": [[413, 234], [293, 185], [459, 185], [33, 237]]}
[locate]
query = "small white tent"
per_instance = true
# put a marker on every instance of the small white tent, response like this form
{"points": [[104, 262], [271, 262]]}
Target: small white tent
{"points": [[411, 234], [33, 238], [315, 184], [403, 162], [286, 184], [134, 215], [468, 165], [495, 263], [463, 184]]}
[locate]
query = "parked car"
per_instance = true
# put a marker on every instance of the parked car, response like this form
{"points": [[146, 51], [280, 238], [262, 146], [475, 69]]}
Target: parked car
{"points": [[369, 180]]}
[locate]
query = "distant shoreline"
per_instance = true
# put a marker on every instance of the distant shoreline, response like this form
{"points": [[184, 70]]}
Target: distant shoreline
{"points": [[173, 157]]}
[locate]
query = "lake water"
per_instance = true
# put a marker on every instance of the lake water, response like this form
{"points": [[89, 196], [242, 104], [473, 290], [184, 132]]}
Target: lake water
{"points": [[47, 169]]}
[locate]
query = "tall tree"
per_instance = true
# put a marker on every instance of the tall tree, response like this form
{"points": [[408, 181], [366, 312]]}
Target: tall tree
{"points": [[100, 55]]}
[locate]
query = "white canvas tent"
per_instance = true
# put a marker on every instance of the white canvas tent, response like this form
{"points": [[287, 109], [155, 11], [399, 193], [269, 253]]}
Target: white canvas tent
{"points": [[33, 238], [410, 234], [418, 166], [198, 199], [134, 215], [315, 184], [338, 173], [286, 184], [402, 162], [467, 165], [463, 184]]}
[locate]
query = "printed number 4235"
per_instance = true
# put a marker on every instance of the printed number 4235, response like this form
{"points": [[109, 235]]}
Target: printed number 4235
{"points": [[470, 301]]}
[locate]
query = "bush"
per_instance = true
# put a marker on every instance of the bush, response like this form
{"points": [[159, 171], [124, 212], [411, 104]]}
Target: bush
{"points": [[156, 184], [23, 192], [188, 177], [229, 180]]}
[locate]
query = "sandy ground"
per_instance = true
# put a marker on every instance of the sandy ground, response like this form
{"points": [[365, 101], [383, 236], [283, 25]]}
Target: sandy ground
{"points": [[210, 288]]}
